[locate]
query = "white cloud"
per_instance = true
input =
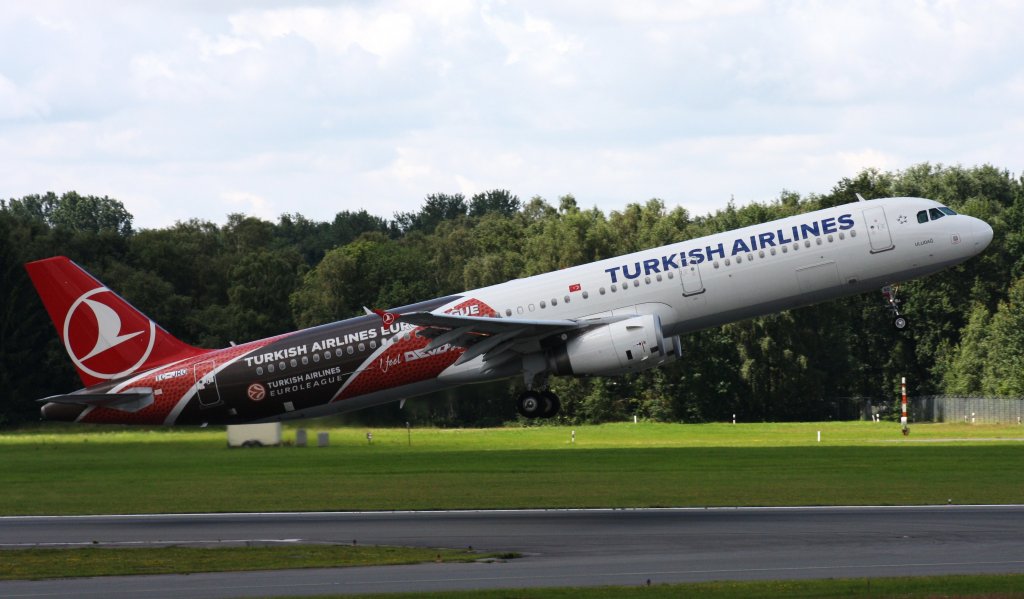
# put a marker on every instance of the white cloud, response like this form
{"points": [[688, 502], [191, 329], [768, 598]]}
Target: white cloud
{"points": [[197, 110]]}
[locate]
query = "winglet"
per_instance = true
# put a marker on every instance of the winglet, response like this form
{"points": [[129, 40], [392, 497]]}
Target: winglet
{"points": [[388, 318]]}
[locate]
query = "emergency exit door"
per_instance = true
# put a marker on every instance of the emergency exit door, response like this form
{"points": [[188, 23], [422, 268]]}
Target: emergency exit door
{"points": [[690, 277]]}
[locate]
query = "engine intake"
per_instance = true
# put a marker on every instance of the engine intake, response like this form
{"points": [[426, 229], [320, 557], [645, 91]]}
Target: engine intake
{"points": [[629, 345]]}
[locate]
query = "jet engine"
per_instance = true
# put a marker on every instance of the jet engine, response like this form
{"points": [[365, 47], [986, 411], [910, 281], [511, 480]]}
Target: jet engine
{"points": [[629, 345]]}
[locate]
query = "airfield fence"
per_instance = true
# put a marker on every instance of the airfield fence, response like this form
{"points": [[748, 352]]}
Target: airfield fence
{"points": [[946, 408], [972, 410]]}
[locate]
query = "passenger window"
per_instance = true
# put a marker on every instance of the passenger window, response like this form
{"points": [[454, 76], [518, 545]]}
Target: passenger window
{"points": [[739, 259], [305, 360], [636, 283], [316, 357], [281, 365], [818, 240], [294, 362], [543, 304], [585, 296], [601, 291], [727, 262], [647, 280], [373, 344], [670, 275], [935, 214], [508, 311], [519, 310], [922, 216], [853, 233], [567, 298], [750, 257], [259, 370], [614, 288], [554, 301], [785, 249], [760, 254], [716, 263], [773, 251], [270, 368]]}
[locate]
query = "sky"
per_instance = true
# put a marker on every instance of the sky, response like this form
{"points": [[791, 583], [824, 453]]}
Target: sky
{"points": [[196, 109]]}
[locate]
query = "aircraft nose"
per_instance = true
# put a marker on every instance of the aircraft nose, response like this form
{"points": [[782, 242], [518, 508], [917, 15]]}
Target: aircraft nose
{"points": [[982, 234]]}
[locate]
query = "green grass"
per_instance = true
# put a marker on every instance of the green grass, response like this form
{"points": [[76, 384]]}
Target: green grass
{"points": [[35, 564], [113, 470], [982, 586]]}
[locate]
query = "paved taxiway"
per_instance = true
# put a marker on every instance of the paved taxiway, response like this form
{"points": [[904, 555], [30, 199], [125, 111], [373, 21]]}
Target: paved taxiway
{"points": [[585, 547]]}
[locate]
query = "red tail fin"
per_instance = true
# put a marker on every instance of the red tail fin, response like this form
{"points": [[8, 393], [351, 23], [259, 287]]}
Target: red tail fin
{"points": [[104, 335]]}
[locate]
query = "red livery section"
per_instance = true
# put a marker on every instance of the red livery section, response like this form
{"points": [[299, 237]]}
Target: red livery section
{"points": [[104, 335], [405, 361]]}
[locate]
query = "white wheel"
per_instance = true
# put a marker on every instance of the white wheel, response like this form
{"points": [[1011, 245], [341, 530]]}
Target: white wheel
{"points": [[900, 322]]}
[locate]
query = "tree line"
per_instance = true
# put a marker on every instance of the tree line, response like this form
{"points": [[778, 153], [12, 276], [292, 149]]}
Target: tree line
{"points": [[249, 278]]}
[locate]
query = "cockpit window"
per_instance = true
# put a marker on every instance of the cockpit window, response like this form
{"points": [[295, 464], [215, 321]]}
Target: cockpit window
{"points": [[948, 211], [922, 216], [935, 214]]}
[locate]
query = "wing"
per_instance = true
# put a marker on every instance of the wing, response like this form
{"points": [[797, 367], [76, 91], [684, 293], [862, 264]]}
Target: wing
{"points": [[494, 338]]}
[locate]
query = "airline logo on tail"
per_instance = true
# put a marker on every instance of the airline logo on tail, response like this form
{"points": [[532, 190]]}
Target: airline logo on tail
{"points": [[101, 341]]}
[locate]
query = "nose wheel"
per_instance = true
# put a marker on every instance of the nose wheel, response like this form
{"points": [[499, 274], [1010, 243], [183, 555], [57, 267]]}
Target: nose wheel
{"points": [[889, 292]]}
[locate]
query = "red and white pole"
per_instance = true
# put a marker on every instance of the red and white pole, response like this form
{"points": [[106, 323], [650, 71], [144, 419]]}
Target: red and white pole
{"points": [[903, 416]]}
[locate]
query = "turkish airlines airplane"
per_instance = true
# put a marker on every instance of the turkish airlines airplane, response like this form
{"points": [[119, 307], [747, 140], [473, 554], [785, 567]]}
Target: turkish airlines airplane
{"points": [[619, 315]]}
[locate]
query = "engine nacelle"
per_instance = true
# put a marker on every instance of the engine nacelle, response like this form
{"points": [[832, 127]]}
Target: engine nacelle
{"points": [[629, 345]]}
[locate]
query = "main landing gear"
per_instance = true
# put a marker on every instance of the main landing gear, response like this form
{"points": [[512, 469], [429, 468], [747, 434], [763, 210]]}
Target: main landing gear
{"points": [[538, 404], [893, 303]]}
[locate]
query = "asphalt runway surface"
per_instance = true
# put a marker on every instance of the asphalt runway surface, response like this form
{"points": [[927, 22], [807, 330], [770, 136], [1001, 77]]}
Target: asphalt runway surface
{"points": [[559, 547]]}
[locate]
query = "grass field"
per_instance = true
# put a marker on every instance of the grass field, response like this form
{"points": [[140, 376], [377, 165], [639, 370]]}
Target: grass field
{"points": [[35, 564], [112, 470]]}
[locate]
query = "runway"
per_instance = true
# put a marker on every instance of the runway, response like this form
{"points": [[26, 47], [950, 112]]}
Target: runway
{"points": [[561, 548]]}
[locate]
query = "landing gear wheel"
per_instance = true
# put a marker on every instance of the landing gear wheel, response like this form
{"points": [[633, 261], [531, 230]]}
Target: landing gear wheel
{"points": [[900, 322], [530, 405], [551, 404]]}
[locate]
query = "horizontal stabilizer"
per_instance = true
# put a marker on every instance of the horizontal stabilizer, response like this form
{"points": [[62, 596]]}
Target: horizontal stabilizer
{"points": [[129, 401]]}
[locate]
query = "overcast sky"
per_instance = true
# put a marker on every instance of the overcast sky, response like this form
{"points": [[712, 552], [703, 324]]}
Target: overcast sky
{"points": [[199, 109]]}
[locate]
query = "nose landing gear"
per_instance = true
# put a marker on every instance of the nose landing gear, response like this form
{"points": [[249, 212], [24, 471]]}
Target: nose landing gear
{"points": [[889, 292]]}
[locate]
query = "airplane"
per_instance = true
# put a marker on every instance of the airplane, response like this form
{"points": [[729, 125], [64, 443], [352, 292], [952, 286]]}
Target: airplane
{"points": [[610, 317]]}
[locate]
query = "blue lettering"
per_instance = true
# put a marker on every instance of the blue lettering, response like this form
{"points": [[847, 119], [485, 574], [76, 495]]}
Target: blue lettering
{"points": [[811, 229], [612, 272], [782, 238], [711, 251], [650, 266], [739, 247], [796, 233], [670, 260], [625, 271], [766, 239], [845, 222], [696, 256]]}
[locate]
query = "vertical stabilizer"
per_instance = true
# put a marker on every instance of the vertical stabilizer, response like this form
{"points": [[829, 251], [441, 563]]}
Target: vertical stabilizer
{"points": [[105, 336]]}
